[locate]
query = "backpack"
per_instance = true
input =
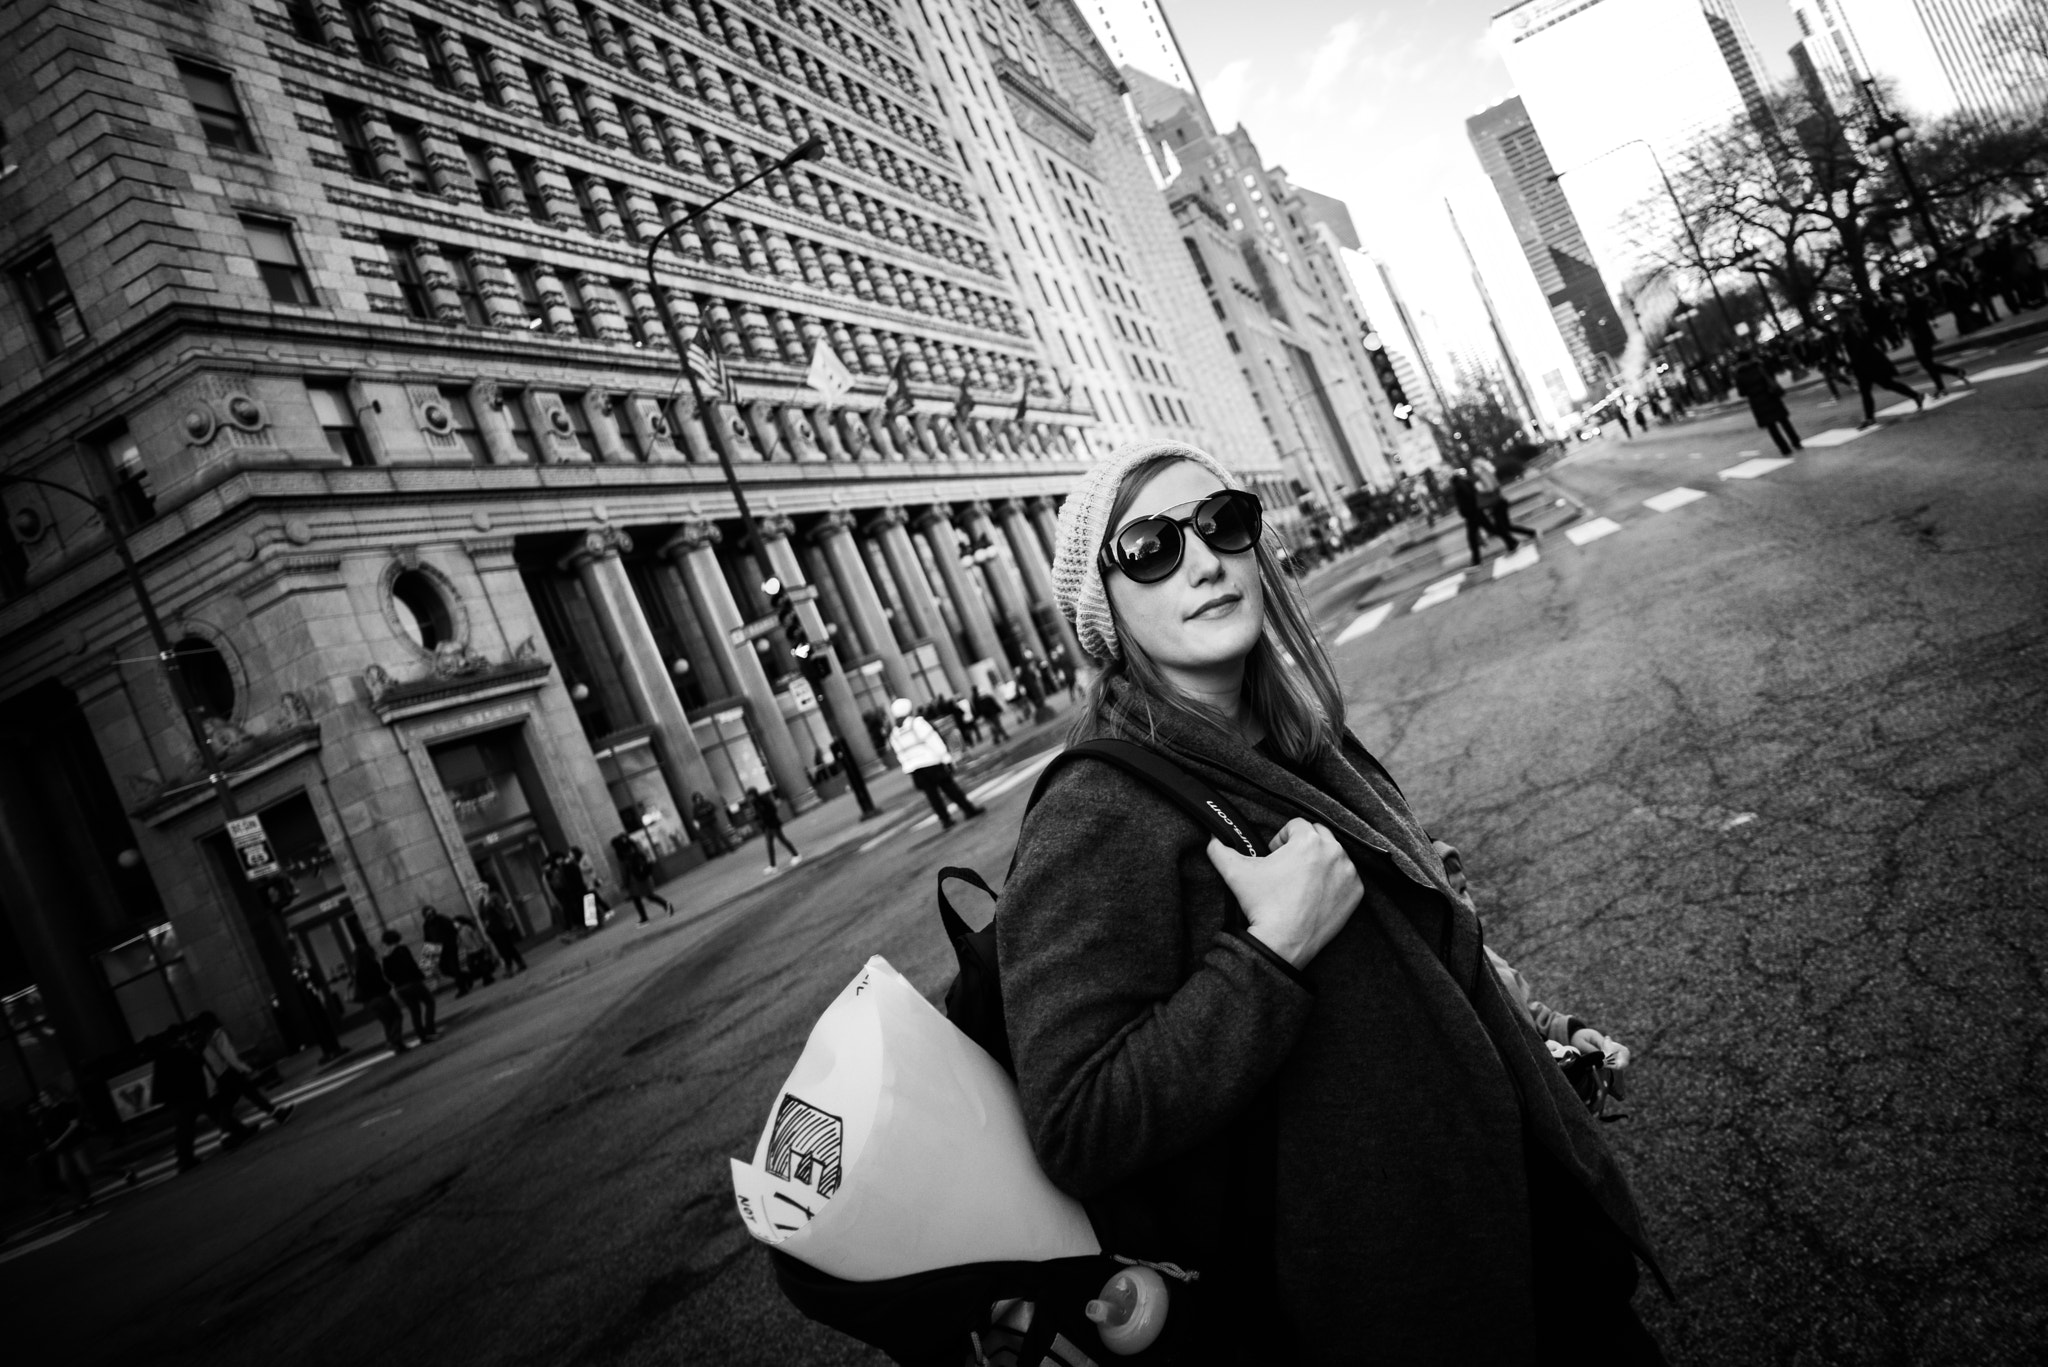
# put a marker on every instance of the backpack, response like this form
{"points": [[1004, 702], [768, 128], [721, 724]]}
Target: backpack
{"points": [[936, 1318]]}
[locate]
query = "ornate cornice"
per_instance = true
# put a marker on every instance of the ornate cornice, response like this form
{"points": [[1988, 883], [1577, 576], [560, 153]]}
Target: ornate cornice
{"points": [[602, 542], [831, 525], [693, 535]]}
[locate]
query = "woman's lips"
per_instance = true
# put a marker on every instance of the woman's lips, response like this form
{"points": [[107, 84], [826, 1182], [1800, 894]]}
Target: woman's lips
{"points": [[1215, 604]]}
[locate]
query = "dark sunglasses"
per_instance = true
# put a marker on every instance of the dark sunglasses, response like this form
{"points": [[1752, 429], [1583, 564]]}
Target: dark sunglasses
{"points": [[1149, 549]]}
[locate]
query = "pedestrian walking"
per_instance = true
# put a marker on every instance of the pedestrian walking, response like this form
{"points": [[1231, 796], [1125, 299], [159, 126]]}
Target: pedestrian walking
{"points": [[232, 1079], [639, 867], [440, 932], [921, 752], [768, 816], [855, 779], [373, 991], [1920, 336], [1871, 367], [990, 711], [58, 1122], [1493, 501], [313, 1008], [1465, 494], [178, 1081], [1754, 381], [704, 816], [409, 984], [1323, 1101], [477, 959], [964, 717], [496, 914], [593, 881]]}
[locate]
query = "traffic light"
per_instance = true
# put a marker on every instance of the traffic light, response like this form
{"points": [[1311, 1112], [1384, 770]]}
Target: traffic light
{"points": [[1383, 367], [813, 660]]}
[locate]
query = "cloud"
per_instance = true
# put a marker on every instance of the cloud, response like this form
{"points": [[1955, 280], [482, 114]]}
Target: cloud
{"points": [[1226, 92], [1329, 61]]}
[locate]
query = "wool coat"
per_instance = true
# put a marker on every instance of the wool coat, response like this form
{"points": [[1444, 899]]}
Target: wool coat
{"points": [[1375, 1104]]}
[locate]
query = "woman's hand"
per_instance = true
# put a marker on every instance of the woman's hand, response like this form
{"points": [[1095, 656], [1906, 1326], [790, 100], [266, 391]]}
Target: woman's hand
{"points": [[1300, 895], [1613, 1051]]}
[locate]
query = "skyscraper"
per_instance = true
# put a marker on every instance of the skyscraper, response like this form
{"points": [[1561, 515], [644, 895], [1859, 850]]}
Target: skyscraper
{"points": [[1602, 80], [1937, 54], [1513, 158], [1136, 33]]}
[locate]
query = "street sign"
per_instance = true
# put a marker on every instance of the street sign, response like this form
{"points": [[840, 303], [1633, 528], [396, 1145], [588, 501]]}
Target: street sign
{"points": [[252, 848], [752, 631], [801, 693]]}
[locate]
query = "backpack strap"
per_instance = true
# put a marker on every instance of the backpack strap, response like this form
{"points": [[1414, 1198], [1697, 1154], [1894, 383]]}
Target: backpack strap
{"points": [[1203, 804]]}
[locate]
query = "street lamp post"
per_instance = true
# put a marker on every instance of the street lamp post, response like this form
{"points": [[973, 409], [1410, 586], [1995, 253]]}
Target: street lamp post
{"points": [[810, 149]]}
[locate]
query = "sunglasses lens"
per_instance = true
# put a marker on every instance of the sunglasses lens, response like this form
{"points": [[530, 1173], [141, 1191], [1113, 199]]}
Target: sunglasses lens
{"points": [[1229, 522], [1148, 549]]}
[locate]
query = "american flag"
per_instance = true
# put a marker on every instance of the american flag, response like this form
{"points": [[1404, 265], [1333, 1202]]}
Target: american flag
{"points": [[897, 402], [710, 371]]}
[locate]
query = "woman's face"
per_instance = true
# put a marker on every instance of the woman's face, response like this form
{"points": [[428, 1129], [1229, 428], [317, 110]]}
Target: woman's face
{"points": [[1200, 622]]}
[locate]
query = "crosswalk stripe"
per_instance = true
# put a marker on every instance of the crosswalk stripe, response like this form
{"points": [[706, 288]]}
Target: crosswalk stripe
{"points": [[1905, 406], [2006, 372], [1836, 436], [1365, 623], [1750, 469], [1592, 531], [1517, 560], [1672, 498]]}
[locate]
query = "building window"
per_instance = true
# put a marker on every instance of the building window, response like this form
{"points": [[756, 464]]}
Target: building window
{"points": [[587, 192], [466, 290], [514, 406], [415, 155], [305, 22], [529, 296], [538, 82], [422, 611], [121, 474], [480, 58], [348, 130], [358, 13], [529, 185], [438, 70], [220, 115], [277, 261], [208, 681], [405, 273], [337, 417], [466, 430], [579, 310], [1231, 338], [579, 95], [151, 982], [46, 296], [480, 169]]}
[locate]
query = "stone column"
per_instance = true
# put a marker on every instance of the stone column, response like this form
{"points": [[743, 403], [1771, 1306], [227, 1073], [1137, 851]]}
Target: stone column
{"points": [[633, 648], [836, 692], [1037, 574], [833, 536], [711, 597], [889, 530], [944, 541], [1045, 519], [1002, 579]]}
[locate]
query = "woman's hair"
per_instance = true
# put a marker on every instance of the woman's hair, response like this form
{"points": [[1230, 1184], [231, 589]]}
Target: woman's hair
{"points": [[1289, 684]]}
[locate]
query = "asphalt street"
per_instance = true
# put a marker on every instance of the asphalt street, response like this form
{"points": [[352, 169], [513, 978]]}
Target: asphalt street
{"points": [[1754, 779]]}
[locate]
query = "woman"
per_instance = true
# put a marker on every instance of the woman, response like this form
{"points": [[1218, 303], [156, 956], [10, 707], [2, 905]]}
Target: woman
{"points": [[1754, 381], [1323, 1111]]}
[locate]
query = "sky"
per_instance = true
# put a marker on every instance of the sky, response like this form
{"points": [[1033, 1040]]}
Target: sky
{"points": [[1368, 102]]}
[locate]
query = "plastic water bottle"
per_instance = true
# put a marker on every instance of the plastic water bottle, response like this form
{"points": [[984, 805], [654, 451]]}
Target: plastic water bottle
{"points": [[1131, 1311]]}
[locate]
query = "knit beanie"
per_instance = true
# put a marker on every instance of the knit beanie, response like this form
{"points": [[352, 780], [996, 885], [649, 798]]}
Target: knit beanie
{"points": [[1084, 525]]}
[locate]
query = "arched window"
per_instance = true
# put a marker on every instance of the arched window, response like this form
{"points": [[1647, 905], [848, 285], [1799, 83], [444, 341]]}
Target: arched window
{"points": [[422, 611], [208, 681]]}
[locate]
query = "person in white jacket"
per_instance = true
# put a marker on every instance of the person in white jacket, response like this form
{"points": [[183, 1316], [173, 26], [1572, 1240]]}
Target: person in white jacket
{"points": [[922, 753]]}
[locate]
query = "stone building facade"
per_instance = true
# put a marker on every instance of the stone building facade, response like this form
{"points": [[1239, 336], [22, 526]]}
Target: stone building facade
{"points": [[340, 307]]}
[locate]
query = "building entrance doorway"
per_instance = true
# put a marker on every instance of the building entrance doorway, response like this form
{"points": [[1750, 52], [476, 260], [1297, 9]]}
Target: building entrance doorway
{"points": [[512, 860]]}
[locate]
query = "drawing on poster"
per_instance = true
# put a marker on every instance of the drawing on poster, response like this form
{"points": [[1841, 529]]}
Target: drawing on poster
{"points": [[805, 1146]]}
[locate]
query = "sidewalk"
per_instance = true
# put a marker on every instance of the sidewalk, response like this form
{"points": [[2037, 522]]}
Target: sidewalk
{"points": [[821, 833]]}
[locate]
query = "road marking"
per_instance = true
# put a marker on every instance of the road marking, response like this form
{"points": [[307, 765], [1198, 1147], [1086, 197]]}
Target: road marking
{"points": [[1749, 453], [1672, 498], [1694, 455], [507, 1072], [32, 1245], [380, 1117], [1002, 783], [1592, 531], [1750, 469], [1442, 591], [1366, 623], [2006, 372], [1515, 561], [2041, 351], [1905, 406], [1837, 436], [877, 839]]}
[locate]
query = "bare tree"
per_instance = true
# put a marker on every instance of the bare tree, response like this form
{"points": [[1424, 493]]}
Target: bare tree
{"points": [[2019, 38]]}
